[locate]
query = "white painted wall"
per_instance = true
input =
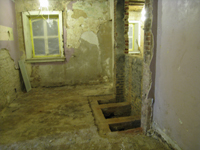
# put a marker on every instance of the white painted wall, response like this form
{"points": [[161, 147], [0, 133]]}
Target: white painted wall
{"points": [[176, 111]]}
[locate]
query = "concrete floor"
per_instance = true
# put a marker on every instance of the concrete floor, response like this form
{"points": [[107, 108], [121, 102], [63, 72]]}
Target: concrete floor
{"points": [[61, 118]]}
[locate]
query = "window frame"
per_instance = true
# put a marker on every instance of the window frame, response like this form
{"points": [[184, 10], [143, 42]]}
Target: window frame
{"points": [[26, 17], [136, 35]]}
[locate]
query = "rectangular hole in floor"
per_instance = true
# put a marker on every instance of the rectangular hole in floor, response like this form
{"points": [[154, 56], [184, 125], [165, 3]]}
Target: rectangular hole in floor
{"points": [[125, 125], [115, 112]]}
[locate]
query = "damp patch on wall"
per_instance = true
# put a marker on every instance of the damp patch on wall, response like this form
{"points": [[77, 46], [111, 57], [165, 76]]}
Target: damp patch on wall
{"points": [[84, 17]]}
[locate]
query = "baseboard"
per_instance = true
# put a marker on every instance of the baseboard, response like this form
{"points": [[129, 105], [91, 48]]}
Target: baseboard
{"points": [[160, 133]]}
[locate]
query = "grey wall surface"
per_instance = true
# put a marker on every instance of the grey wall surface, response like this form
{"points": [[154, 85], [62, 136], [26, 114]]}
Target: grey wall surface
{"points": [[177, 87]]}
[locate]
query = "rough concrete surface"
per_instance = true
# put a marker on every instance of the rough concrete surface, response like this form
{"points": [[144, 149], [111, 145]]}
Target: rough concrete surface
{"points": [[9, 79], [61, 118], [133, 81]]}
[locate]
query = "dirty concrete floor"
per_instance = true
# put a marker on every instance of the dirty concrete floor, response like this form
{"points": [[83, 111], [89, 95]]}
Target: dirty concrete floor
{"points": [[61, 118]]}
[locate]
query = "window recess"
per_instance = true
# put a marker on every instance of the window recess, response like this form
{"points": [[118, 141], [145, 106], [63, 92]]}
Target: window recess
{"points": [[134, 37], [43, 36]]}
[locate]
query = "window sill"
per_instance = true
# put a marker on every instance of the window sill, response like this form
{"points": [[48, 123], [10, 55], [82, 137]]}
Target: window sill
{"points": [[50, 59], [134, 52]]}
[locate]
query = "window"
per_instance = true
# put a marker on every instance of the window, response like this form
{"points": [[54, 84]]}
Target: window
{"points": [[134, 36], [43, 36]]}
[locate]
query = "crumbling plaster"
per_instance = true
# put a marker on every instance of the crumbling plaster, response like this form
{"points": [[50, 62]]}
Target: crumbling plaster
{"points": [[87, 28], [92, 15], [133, 82], [147, 102], [10, 85], [9, 79]]}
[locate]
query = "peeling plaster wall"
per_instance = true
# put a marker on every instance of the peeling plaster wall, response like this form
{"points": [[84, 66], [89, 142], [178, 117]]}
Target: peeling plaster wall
{"points": [[9, 56], [87, 44], [146, 110], [176, 112], [9, 79]]}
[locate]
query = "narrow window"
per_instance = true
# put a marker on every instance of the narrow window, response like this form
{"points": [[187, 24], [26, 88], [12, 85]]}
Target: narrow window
{"points": [[134, 37]]}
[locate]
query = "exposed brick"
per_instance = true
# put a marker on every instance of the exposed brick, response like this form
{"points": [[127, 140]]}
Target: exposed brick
{"points": [[133, 78]]}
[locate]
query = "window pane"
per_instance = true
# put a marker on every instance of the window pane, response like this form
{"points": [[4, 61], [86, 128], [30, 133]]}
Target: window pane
{"points": [[130, 30], [53, 45], [39, 46], [130, 43], [52, 27], [38, 28]]}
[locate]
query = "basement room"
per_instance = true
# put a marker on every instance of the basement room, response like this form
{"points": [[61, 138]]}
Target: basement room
{"points": [[99, 74]]}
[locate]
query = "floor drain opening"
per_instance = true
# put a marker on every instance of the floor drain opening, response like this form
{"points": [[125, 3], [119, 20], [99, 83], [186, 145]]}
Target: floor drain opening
{"points": [[115, 112], [125, 125], [111, 115]]}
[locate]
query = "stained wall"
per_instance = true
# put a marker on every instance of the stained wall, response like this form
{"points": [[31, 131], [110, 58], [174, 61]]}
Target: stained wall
{"points": [[87, 44]]}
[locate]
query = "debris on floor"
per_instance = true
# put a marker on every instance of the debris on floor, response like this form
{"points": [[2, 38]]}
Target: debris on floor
{"points": [[61, 118]]}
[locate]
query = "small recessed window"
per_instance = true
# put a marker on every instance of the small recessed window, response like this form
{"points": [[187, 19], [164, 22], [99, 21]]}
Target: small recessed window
{"points": [[43, 36], [134, 37]]}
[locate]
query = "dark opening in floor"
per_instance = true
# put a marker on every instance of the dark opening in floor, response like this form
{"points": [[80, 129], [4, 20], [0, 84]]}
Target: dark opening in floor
{"points": [[115, 112]]}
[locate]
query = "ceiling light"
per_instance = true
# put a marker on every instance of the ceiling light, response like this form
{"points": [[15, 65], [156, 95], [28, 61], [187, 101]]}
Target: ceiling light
{"points": [[44, 3]]}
